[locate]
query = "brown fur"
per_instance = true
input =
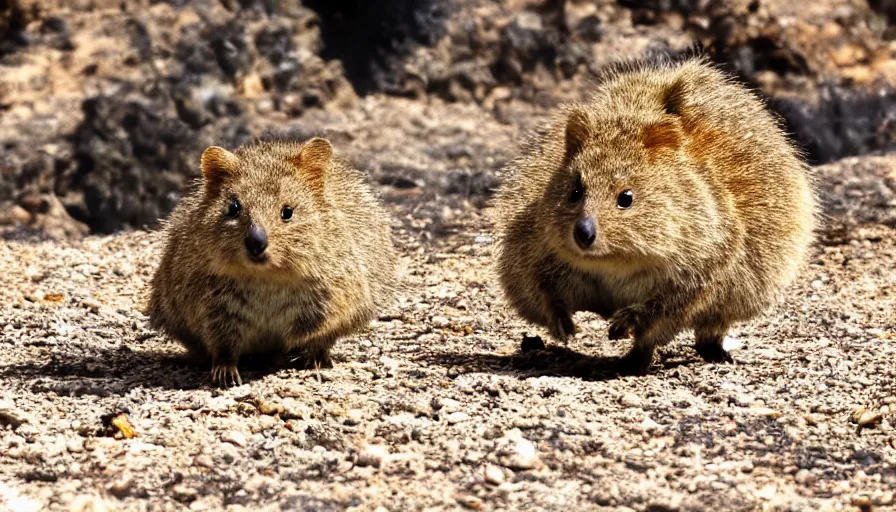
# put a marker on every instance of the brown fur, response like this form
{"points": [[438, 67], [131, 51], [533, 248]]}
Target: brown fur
{"points": [[723, 214], [329, 269]]}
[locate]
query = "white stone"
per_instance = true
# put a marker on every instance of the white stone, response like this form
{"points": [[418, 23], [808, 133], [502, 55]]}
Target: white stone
{"points": [[372, 455]]}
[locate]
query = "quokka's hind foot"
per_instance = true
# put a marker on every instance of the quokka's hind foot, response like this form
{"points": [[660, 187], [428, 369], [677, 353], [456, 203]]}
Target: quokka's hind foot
{"points": [[310, 358], [709, 345], [226, 376], [224, 370], [636, 361]]}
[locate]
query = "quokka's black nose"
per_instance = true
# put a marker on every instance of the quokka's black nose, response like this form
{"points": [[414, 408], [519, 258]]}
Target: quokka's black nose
{"points": [[256, 241], [585, 232]]}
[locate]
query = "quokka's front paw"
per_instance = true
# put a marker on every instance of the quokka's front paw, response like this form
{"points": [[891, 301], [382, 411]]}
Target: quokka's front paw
{"points": [[226, 375], [626, 322]]}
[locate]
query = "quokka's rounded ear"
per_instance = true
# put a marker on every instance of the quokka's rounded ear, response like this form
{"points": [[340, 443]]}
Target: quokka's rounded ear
{"points": [[674, 97], [579, 130], [217, 165], [313, 161], [665, 134]]}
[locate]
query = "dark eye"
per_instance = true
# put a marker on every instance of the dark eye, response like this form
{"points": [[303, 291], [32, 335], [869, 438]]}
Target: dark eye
{"points": [[624, 199], [234, 209], [286, 213], [578, 191]]}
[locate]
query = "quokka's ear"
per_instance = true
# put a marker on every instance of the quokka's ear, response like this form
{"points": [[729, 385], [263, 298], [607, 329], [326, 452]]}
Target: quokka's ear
{"points": [[665, 134], [217, 165], [674, 97], [579, 130], [313, 161]]}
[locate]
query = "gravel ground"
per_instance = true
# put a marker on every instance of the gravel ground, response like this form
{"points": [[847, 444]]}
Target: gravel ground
{"points": [[435, 406]]}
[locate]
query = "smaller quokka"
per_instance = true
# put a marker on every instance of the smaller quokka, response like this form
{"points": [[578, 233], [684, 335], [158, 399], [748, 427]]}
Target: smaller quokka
{"points": [[672, 200], [283, 246]]}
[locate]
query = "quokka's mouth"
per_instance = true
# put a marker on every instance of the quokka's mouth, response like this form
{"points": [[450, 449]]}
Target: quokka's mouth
{"points": [[258, 260]]}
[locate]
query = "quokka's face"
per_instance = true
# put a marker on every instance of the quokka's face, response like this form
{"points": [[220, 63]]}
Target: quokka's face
{"points": [[264, 214], [627, 195], [261, 230]]}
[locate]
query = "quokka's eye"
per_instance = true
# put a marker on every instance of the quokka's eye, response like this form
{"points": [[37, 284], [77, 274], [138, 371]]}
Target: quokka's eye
{"points": [[286, 213], [234, 208], [625, 199], [578, 191]]}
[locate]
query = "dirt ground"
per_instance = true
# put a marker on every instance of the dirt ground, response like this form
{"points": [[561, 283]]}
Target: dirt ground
{"points": [[435, 406]]}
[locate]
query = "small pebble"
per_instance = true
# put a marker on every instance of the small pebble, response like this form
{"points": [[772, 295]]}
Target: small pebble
{"points": [[649, 425], [122, 486], [731, 344], [235, 438], [765, 411], [88, 503], [440, 321], [445, 404], [865, 418], [493, 474], [204, 461], [75, 445], [744, 400], [354, 417], [804, 477], [270, 408], [372, 455], [183, 492], [11, 418], [457, 417], [515, 451], [630, 400]]}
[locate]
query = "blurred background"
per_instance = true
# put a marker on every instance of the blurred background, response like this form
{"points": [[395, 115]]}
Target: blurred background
{"points": [[105, 106]]}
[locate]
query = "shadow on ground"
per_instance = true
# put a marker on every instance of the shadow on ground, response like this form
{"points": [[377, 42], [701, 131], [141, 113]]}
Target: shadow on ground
{"points": [[115, 371], [550, 361]]}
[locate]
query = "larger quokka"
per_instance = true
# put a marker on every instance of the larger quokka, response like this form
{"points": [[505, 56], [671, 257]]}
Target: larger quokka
{"points": [[283, 247], [672, 200]]}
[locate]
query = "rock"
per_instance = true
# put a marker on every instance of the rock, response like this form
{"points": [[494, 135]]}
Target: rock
{"points": [[184, 493], [372, 455], [804, 477], [88, 503], [457, 417], [648, 425], [270, 408], [295, 409], [515, 451], [731, 344], [75, 445], [354, 417], [440, 321], [469, 501], [445, 404], [122, 486], [865, 418], [91, 304], [235, 438], [493, 474], [12, 418], [19, 215], [204, 460], [744, 400], [630, 400], [765, 411]]}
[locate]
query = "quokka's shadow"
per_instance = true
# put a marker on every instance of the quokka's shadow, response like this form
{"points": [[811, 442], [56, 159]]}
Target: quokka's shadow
{"points": [[115, 371], [554, 361]]}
